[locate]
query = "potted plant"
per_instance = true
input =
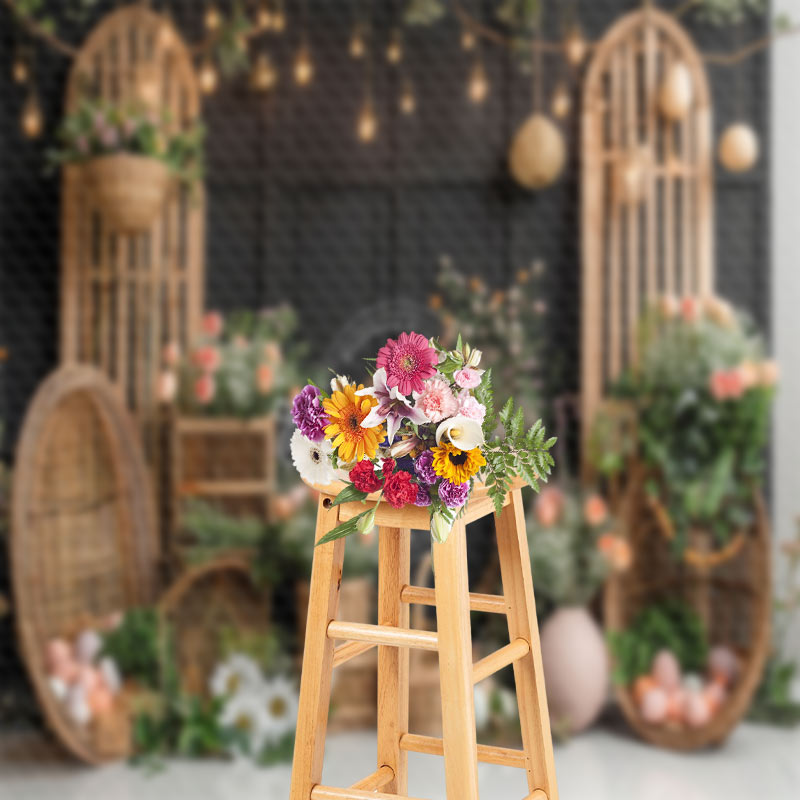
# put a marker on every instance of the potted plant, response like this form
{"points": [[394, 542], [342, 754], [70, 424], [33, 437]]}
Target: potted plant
{"points": [[130, 158]]}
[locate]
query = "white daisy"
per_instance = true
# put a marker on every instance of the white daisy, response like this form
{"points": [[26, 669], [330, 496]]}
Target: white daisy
{"points": [[312, 459], [246, 714], [238, 673], [279, 699]]}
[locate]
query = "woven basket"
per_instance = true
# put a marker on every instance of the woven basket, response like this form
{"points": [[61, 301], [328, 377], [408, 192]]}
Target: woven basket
{"points": [[83, 541], [729, 588], [129, 190]]}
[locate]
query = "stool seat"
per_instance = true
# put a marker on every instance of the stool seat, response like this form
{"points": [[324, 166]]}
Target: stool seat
{"points": [[331, 642]]}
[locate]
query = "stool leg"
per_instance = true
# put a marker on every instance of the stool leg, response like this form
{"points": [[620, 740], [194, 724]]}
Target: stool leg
{"points": [[315, 684], [394, 572], [515, 568], [455, 666]]}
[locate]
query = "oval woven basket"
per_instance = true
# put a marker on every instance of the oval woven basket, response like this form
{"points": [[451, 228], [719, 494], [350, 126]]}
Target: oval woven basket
{"points": [[731, 595], [129, 190], [83, 540]]}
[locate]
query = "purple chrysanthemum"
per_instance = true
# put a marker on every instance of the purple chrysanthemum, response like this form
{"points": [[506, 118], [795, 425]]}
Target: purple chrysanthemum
{"points": [[308, 414], [423, 497], [453, 495], [423, 466]]}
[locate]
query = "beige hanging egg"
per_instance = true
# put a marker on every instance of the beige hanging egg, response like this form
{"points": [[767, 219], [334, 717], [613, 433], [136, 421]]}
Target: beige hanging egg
{"points": [[676, 92], [537, 153], [738, 147], [561, 102]]}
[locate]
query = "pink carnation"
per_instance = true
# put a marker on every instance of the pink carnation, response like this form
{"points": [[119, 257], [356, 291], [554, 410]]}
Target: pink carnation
{"points": [[437, 401], [468, 378], [469, 407], [726, 384]]}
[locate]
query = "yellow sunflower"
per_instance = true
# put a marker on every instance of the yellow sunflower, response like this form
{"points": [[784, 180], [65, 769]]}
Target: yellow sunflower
{"points": [[457, 466], [346, 412]]}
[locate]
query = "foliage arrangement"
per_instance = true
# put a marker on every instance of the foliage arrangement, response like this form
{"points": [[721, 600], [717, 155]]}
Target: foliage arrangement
{"points": [[135, 646], [241, 367], [507, 325], [98, 128], [728, 12], [573, 546], [671, 625], [701, 392], [420, 435]]}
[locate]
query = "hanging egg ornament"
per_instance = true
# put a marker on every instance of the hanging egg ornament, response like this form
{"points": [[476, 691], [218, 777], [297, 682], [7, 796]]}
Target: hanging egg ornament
{"points": [[738, 148], [357, 47], [32, 120], [367, 127], [394, 50], [538, 152], [478, 86], [212, 18], [467, 39], [575, 46], [19, 69], [209, 77], [303, 66], [408, 101], [264, 18], [676, 93], [264, 76], [561, 102]]}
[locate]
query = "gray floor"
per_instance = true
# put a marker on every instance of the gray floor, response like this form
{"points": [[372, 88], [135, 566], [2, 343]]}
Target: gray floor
{"points": [[757, 763]]}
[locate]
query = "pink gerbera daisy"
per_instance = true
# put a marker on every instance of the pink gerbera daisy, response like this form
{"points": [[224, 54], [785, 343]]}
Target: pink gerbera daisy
{"points": [[408, 362]]}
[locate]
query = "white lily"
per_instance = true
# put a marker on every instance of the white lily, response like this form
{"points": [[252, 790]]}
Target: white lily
{"points": [[440, 528], [462, 432]]}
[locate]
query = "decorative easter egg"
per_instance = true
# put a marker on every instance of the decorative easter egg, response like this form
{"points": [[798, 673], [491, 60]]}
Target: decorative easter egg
{"points": [[109, 673], [654, 706], [723, 664], [57, 651], [575, 668], [88, 677], [698, 711], [100, 700], [667, 670], [88, 646], [77, 705], [58, 687], [561, 102], [676, 92], [676, 705], [642, 685], [715, 695], [538, 153], [692, 683], [67, 671], [738, 147]]}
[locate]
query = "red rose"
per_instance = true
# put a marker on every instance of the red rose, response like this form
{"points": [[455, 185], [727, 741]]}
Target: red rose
{"points": [[388, 467], [364, 478], [399, 490]]}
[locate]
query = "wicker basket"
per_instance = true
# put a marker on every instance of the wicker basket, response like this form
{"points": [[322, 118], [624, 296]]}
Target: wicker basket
{"points": [[729, 588], [83, 541], [129, 190]]}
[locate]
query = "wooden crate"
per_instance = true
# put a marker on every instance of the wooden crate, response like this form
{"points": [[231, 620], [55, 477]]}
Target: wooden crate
{"points": [[226, 462]]}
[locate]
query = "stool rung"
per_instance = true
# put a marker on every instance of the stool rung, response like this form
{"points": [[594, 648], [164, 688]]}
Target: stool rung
{"points": [[375, 782], [331, 793], [383, 635], [539, 794], [505, 757], [347, 652], [512, 652], [489, 603]]}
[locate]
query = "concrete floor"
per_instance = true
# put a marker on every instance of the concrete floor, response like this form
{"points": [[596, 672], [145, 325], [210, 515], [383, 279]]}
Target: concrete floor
{"points": [[757, 762]]}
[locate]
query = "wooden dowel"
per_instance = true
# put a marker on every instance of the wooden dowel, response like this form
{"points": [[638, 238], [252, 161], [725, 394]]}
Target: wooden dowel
{"points": [[537, 795], [375, 782], [489, 603], [501, 658], [330, 793], [347, 652], [432, 746], [384, 635]]}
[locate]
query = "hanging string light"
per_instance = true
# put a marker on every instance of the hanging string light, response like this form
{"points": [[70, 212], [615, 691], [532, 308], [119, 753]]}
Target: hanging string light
{"points": [[303, 65], [279, 18], [478, 86], [561, 102], [408, 100], [394, 49], [264, 76], [264, 18], [212, 18], [367, 121], [32, 119], [20, 71], [467, 39], [208, 77], [357, 47], [575, 45]]}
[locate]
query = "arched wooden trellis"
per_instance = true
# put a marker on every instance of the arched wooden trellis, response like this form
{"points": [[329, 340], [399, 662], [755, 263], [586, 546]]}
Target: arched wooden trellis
{"points": [[124, 295], [660, 240]]}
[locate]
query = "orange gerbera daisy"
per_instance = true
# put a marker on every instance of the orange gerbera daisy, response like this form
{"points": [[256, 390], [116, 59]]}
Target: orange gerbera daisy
{"points": [[347, 412]]}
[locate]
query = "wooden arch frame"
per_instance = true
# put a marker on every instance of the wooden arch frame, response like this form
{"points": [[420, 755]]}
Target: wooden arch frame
{"points": [[661, 242]]}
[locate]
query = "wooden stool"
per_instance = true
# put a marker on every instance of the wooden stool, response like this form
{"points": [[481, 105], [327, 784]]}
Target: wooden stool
{"points": [[453, 642]]}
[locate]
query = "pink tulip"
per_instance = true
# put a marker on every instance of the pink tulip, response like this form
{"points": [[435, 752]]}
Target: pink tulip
{"points": [[207, 358], [204, 389], [212, 323], [595, 509]]}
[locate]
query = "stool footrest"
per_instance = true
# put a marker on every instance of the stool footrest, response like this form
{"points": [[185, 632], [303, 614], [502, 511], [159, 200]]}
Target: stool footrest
{"points": [[347, 652], [375, 782], [331, 793], [512, 652], [488, 603], [383, 635], [505, 757], [539, 794]]}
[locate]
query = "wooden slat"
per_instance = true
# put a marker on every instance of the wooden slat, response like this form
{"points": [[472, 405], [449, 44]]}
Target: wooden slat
{"points": [[650, 90], [488, 603], [430, 745], [347, 652], [383, 635], [632, 302], [331, 793], [614, 344], [501, 658], [376, 782], [232, 488]]}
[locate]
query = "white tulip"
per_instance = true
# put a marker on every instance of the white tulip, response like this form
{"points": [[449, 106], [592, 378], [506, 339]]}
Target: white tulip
{"points": [[440, 528], [462, 432]]}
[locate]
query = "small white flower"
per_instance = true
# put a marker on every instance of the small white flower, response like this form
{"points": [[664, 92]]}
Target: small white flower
{"points": [[238, 673], [280, 703], [246, 714], [462, 432], [312, 459]]}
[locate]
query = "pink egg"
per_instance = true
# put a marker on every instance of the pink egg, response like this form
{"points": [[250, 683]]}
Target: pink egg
{"points": [[698, 712], [723, 664], [666, 670], [100, 700], [676, 708], [57, 652], [715, 695], [654, 706], [67, 671], [88, 677]]}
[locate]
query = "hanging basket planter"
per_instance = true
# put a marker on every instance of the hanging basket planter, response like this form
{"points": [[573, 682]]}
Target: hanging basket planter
{"points": [[129, 190]]}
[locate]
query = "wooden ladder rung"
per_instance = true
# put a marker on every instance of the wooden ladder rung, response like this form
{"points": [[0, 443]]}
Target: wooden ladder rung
{"points": [[383, 635], [512, 652], [505, 757], [539, 794], [489, 603], [375, 782], [347, 652], [331, 793]]}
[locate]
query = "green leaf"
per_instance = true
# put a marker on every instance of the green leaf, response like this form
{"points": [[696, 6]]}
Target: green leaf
{"points": [[349, 495], [345, 529]]}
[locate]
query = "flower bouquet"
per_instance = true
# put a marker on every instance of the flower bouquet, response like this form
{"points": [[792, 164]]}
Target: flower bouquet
{"points": [[421, 434]]}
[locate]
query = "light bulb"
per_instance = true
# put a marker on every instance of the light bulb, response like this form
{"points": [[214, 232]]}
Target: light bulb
{"points": [[394, 50], [264, 17], [212, 17], [209, 78], [357, 47], [367, 122], [279, 19], [478, 86], [19, 70], [467, 39], [32, 120], [561, 103], [575, 46], [264, 76], [303, 66], [408, 102]]}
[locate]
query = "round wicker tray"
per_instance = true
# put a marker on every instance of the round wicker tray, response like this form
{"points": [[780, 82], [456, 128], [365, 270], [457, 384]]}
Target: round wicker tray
{"points": [[83, 538]]}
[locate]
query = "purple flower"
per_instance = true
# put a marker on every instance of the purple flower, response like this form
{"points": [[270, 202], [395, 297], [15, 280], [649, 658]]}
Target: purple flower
{"points": [[423, 497], [453, 495], [423, 466], [392, 406], [308, 414]]}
